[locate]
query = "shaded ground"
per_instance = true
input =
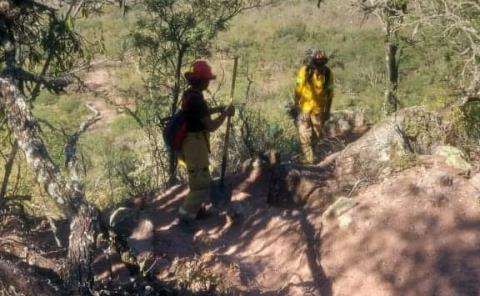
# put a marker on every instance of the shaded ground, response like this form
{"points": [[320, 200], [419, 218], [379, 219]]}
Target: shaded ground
{"points": [[414, 234]]}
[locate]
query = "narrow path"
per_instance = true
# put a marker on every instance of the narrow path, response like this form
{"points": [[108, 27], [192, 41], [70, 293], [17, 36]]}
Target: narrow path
{"points": [[99, 82], [268, 251]]}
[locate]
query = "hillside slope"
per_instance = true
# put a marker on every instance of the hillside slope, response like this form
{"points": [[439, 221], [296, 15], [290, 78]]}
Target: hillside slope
{"points": [[416, 233]]}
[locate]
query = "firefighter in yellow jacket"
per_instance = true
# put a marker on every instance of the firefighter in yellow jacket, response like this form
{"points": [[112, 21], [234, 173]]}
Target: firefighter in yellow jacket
{"points": [[313, 98]]}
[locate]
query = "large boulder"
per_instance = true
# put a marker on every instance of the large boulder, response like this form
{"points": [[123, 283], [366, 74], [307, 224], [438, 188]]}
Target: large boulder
{"points": [[123, 220], [345, 121], [412, 130]]}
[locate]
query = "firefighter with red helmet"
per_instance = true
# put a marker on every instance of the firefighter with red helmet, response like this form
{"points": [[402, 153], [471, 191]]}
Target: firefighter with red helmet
{"points": [[195, 147]]}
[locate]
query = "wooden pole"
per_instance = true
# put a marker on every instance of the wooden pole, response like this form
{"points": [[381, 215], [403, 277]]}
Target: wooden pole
{"points": [[229, 122]]}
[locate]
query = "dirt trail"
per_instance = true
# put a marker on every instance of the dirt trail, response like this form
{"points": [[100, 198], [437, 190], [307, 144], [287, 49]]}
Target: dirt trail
{"points": [[99, 82], [416, 233]]}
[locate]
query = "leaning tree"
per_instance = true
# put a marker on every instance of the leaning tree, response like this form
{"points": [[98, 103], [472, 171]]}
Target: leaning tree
{"points": [[39, 49]]}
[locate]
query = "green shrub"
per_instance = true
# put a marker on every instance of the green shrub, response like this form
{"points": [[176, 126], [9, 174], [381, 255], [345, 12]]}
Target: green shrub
{"points": [[466, 125], [70, 105], [123, 124]]}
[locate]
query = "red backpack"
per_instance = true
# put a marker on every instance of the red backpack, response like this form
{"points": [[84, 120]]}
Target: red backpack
{"points": [[175, 130]]}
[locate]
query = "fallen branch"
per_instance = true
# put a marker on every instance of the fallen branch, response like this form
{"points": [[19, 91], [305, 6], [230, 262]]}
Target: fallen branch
{"points": [[22, 248], [470, 99], [19, 197]]}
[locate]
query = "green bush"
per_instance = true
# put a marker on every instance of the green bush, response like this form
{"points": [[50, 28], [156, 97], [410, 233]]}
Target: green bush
{"points": [[466, 122], [70, 105], [123, 124]]}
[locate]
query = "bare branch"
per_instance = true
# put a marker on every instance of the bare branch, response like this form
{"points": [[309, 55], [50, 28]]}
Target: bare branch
{"points": [[128, 110], [55, 84], [71, 145], [7, 172]]}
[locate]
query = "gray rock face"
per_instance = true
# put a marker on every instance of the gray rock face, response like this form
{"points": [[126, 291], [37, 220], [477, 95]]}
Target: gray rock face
{"points": [[411, 130], [344, 121]]}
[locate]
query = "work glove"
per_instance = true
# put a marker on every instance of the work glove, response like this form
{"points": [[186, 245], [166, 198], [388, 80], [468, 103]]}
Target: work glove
{"points": [[230, 110]]}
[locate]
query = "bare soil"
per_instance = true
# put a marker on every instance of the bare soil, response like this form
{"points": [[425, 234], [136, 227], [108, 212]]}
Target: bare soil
{"points": [[99, 82], [414, 233]]}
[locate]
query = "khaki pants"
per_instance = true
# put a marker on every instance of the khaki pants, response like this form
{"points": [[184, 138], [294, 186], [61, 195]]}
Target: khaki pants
{"points": [[310, 130], [195, 155]]}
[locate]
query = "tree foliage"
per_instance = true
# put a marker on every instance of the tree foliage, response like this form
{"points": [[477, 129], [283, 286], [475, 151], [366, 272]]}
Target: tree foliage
{"points": [[40, 45], [391, 13], [173, 33], [453, 24]]}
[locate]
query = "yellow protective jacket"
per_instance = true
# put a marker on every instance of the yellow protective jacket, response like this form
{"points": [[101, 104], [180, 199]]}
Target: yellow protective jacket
{"points": [[312, 95]]}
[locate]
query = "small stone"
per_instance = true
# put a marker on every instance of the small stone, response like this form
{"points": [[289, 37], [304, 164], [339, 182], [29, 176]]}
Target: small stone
{"points": [[339, 207], [344, 125], [295, 213], [345, 221], [445, 180]]}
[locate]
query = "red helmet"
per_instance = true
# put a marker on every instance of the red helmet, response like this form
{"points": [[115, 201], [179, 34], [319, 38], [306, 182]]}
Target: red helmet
{"points": [[200, 70]]}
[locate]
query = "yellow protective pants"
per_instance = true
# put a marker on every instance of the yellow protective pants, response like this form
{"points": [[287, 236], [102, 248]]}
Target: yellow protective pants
{"points": [[195, 152], [310, 129]]}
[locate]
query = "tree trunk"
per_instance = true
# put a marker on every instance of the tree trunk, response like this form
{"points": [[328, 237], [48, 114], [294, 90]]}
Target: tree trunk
{"points": [[391, 48], [72, 202], [83, 229], [175, 98], [8, 172]]}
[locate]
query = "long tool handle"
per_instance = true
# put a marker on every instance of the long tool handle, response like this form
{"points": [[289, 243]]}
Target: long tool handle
{"points": [[227, 132]]}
